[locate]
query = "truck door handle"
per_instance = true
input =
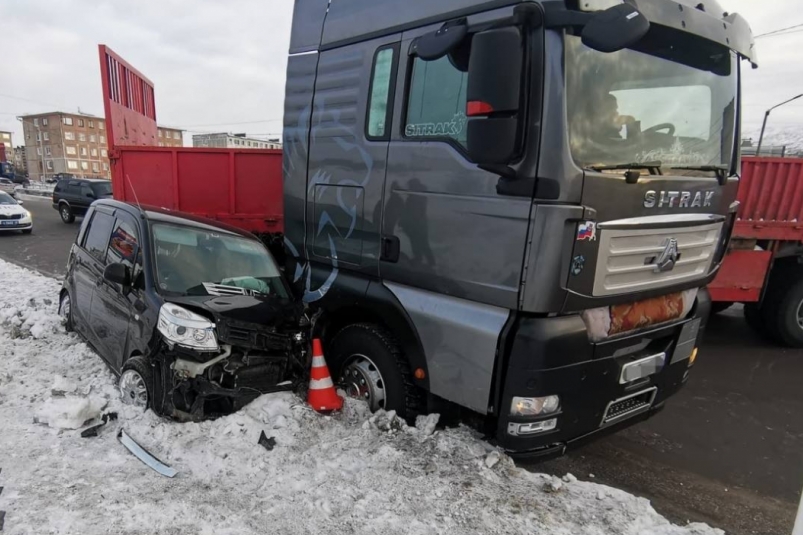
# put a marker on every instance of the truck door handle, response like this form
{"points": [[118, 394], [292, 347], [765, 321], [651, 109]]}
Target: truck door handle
{"points": [[391, 249]]}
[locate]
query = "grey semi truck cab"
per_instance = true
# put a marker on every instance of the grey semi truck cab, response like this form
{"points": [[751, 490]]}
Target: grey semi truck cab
{"points": [[512, 207]]}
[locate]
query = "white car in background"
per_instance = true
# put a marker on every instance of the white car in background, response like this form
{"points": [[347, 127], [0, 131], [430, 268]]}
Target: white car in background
{"points": [[8, 186], [13, 216]]}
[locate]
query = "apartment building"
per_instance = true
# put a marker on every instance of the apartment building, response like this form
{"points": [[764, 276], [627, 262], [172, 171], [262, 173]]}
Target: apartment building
{"points": [[170, 137], [5, 140], [77, 144], [20, 161], [223, 140]]}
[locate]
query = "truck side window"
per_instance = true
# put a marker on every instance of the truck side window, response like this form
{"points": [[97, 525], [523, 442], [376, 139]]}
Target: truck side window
{"points": [[378, 116], [436, 103], [97, 237]]}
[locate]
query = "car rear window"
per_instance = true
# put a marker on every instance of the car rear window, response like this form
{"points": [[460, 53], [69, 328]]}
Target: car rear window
{"points": [[101, 188]]}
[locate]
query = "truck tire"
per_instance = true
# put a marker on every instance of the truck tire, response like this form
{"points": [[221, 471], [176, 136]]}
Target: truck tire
{"points": [[66, 213], [136, 383], [782, 308], [368, 363], [754, 317]]}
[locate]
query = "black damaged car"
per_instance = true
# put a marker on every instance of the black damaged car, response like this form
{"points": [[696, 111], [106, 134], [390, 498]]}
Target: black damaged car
{"points": [[193, 316]]}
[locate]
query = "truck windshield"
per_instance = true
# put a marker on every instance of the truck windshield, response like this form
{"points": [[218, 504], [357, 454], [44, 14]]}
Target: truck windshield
{"points": [[670, 100], [194, 261]]}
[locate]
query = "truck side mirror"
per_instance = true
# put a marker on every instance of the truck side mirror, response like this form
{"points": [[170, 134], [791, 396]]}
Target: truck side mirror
{"points": [[614, 29], [493, 105]]}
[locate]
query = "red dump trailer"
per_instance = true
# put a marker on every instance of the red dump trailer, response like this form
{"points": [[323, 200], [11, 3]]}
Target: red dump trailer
{"points": [[241, 187], [764, 265]]}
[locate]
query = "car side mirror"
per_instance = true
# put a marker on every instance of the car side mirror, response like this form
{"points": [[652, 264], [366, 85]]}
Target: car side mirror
{"points": [[615, 28], [495, 69], [118, 274], [20, 202]]}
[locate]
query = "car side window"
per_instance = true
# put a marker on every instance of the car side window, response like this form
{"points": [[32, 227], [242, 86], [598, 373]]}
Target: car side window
{"points": [[124, 245], [86, 192], [436, 101], [74, 188], [96, 240]]}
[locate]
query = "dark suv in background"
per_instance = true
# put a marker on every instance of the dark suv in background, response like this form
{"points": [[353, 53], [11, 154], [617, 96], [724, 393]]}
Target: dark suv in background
{"points": [[72, 196]]}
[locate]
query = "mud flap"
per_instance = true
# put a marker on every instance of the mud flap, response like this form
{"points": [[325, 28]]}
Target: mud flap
{"points": [[143, 455]]}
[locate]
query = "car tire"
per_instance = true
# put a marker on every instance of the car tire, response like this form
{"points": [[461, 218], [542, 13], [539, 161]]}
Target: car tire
{"points": [[66, 213], [365, 359], [136, 383], [65, 310]]}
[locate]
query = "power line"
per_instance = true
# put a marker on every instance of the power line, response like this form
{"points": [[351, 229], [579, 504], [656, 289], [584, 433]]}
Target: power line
{"points": [[779, 31]]}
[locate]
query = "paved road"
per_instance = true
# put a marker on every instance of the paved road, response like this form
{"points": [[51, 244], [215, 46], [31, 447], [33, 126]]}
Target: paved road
{"points": [[47, 248], [728, 450]]}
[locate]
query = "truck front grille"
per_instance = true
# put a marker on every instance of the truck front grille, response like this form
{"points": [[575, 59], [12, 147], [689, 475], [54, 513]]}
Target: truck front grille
{"points": [[627, 257]]}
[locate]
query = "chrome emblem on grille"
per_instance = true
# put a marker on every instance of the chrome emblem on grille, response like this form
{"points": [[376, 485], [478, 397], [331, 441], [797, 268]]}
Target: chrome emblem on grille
{"points": [[678, 199], [667, 259]]}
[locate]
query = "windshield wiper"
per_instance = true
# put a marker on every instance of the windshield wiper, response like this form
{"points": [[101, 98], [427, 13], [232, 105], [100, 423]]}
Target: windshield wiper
{"points": [[653, 167], [721, 170]]}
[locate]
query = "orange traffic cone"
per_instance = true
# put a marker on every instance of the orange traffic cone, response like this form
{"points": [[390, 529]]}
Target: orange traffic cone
{"points": [[321, 395]]}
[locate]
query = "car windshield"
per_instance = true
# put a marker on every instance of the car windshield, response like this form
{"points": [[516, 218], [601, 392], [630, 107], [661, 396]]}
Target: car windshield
{"points": [[671, 99], [101, 188], [5, 198], [195, 261]]}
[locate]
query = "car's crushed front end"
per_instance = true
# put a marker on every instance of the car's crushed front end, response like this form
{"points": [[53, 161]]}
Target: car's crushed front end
{"points": [[215, 354]]}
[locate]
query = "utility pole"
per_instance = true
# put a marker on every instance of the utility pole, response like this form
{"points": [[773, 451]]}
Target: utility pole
{"points": [[767, 116]]}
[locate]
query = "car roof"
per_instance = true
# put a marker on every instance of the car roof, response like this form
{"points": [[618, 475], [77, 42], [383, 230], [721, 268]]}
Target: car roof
{"points": [[163, 215], [90, 180]]}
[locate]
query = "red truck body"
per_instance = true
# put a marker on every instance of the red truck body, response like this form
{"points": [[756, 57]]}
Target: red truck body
{"points": [[771, 212], [241, 187]]}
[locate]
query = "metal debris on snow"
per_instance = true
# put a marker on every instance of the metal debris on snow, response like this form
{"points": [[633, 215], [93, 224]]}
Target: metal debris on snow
{"points": [[143, 455]]}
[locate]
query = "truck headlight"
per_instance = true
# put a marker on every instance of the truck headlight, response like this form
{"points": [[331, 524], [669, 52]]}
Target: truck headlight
{"points": [[534, 406], [180, 326]]}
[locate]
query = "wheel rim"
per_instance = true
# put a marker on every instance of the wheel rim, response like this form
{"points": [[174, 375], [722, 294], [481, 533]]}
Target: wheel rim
{"points": [[133, 389], [64, 312], [800, 314], [65, 213], [361, 380]]}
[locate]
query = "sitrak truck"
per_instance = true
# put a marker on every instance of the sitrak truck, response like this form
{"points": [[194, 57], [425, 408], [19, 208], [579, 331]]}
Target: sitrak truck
{"points": [[512, 207], [503, 211]]}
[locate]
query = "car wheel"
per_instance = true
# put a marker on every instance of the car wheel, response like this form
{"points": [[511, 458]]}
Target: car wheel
{"points": [[66, 213], [370, 365], [136, 383], [65, 310]]}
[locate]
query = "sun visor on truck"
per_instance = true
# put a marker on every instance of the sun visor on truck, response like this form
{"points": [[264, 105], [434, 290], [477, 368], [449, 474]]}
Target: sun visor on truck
{"points": [[729, 30], [308, 17]]}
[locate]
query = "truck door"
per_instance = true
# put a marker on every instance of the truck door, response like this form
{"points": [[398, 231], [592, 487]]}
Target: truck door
{"points": [[348, 153], [455, 234]]}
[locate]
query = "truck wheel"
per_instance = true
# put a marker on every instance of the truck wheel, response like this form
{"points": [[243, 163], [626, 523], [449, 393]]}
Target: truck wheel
{"points": [[783, 307], [66, 213], [370, 365], [755, 320], [136, 383], [720, 306]]}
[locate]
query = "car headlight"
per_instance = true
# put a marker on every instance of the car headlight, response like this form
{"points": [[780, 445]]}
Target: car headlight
{"points": [[534, 406], [180, 326]]}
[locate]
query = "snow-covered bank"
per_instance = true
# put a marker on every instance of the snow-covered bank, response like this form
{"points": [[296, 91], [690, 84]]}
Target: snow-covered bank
{"points": [[349, 473]]}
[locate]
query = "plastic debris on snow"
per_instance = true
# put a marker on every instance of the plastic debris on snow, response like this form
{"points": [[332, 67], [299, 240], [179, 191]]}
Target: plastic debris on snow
{"points": [[352, 472]]}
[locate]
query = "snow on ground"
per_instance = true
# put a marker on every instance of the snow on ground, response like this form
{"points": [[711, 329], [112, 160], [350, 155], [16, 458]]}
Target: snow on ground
{"points": [[349, 473]]}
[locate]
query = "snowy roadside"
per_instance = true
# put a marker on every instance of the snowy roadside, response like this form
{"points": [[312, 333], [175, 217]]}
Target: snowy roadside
{"points": [[349, 473]]}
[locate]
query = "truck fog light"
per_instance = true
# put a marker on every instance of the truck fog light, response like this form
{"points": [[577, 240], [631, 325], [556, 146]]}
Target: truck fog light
{"points": [[534, 406], [531, 428], [693, 357]]}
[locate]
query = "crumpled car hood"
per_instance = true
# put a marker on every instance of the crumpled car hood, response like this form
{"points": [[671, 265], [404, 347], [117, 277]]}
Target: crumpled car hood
{"points": [[265, 311]]}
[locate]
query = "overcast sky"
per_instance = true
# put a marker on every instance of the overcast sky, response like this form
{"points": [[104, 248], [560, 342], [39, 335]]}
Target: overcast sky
{"points": [[219, 63]]}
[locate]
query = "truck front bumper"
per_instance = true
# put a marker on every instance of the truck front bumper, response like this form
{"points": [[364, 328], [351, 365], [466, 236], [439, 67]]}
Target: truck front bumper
{"points": [[553, 356]]}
